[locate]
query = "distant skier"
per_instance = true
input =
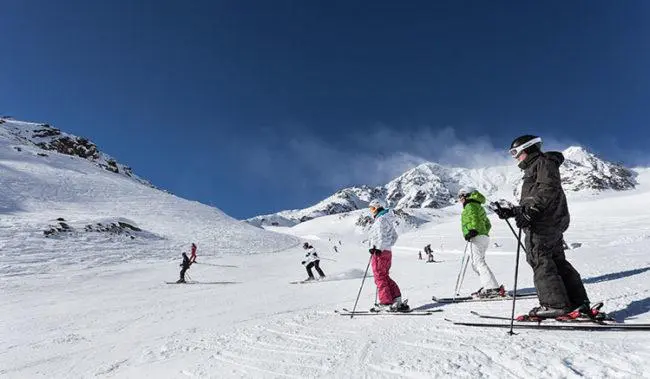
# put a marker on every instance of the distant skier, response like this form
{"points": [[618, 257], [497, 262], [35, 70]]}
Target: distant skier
{"points": [[336, 250], [185, 266], [193, 253], [312, 260], [543, 215], [340, 244], [475, 226], [430, 257], [382, 238], [420, 255]]}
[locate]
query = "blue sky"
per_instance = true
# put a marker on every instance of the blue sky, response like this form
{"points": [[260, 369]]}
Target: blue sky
{"points": [[258, 106]]}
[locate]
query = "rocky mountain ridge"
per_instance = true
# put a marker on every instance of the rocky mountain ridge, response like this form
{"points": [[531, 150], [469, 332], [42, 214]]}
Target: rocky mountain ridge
{"points": [[434, 186]]}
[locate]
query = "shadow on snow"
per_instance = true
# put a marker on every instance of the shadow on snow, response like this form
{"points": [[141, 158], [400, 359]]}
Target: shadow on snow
{"points": [[633, 309], [615, 275]]}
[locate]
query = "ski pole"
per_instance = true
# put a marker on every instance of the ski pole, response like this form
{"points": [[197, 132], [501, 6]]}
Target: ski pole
{"points": [[469, 258], [496, 207], [462, 262], [514, 292], [363, 280], [517, 237]]}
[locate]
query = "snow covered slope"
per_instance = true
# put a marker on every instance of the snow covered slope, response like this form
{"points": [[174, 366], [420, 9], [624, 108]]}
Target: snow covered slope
{"points": [[59, 208], [433, 186], [122, 321]]}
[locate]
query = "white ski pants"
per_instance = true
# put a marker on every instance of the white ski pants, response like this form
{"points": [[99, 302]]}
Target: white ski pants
{"points": [[478, 247]]}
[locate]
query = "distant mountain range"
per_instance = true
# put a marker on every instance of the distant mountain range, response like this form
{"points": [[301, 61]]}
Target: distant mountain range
{"points": [[431, 185]]}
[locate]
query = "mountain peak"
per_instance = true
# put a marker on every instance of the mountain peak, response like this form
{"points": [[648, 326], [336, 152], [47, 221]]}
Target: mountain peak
{"points": [[577, 153], [432, 185]]}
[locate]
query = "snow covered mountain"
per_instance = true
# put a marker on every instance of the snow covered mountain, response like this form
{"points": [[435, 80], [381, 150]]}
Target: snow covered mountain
{"points": [[52, 139], [61, 198], [433, 186]]}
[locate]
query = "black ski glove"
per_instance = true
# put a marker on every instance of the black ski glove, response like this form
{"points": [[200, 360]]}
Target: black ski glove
{"points": [[525, 216], [374, 250], [505, 213], [471, 234]]}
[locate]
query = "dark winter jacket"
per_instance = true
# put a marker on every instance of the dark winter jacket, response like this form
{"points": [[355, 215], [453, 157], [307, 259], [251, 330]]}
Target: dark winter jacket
{"points": [[186, 261], [542, 193]]}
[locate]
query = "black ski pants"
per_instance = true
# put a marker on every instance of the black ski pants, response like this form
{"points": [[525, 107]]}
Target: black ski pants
{"points": [[185, 268], [558, 284], [315, 265]]}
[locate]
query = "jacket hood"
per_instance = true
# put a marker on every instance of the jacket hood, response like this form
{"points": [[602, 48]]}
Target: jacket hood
{"points": [[555, 156], [476, 196]]}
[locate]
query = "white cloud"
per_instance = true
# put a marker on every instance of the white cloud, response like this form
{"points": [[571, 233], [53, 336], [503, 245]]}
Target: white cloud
{"points": [[373, 159]]}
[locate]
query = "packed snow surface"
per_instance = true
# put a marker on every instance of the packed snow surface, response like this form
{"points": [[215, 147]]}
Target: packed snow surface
{"points": [[82, 304]]}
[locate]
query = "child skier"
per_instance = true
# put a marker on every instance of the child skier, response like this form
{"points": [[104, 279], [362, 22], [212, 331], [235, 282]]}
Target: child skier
{"points": [[311, 260], [476, 226], [193, 255], [382, 238]]}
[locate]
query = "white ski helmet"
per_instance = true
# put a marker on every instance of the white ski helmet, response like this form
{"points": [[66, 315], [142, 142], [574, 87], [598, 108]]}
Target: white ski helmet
{"points": [[376, 203], [466, 191]]}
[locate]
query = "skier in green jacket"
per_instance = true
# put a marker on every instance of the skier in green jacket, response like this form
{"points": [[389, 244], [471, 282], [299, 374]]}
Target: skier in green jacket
{"points": [[476, 228]]}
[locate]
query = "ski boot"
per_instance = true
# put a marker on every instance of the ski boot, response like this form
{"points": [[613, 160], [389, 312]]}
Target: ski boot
{"points": [[381, 308], [180, 281], [543, 312], [489, 293], [584, 312], [399, 305]]}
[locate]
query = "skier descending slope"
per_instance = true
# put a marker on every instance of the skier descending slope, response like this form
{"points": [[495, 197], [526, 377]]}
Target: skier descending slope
{"points": [[544, 216], [476, 227], [311, 260], [185, 265], [382, 238]]}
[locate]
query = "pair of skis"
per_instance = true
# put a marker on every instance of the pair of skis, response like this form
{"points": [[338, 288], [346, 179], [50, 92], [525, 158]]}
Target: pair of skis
{"points": [[460, 299], [195, 282], [554, 324], [466, 299], [411, 312]]}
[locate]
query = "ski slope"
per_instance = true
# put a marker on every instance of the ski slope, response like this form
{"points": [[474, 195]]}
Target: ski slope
{"points": [[118, 319], [37, 187], [89, 303]]}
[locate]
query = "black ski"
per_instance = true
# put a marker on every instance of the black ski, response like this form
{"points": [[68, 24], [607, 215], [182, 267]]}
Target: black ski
{"points": [[468, 299], [491, 317], [560, 326], [347, 312]]}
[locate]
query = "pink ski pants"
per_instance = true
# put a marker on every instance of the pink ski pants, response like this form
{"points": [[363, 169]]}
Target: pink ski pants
{"points": [[387, 288]]}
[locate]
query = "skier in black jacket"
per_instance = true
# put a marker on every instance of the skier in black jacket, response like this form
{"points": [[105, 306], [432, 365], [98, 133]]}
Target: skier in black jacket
{"points": [[184, 267], [544, 217]]}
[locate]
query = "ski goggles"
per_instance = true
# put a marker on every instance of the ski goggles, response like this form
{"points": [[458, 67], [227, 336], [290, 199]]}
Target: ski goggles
{"points": [[515, 151]]}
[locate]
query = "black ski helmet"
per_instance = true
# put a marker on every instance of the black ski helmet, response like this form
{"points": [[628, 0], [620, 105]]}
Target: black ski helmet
{"points": [[305, 245], [527, 143]]}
